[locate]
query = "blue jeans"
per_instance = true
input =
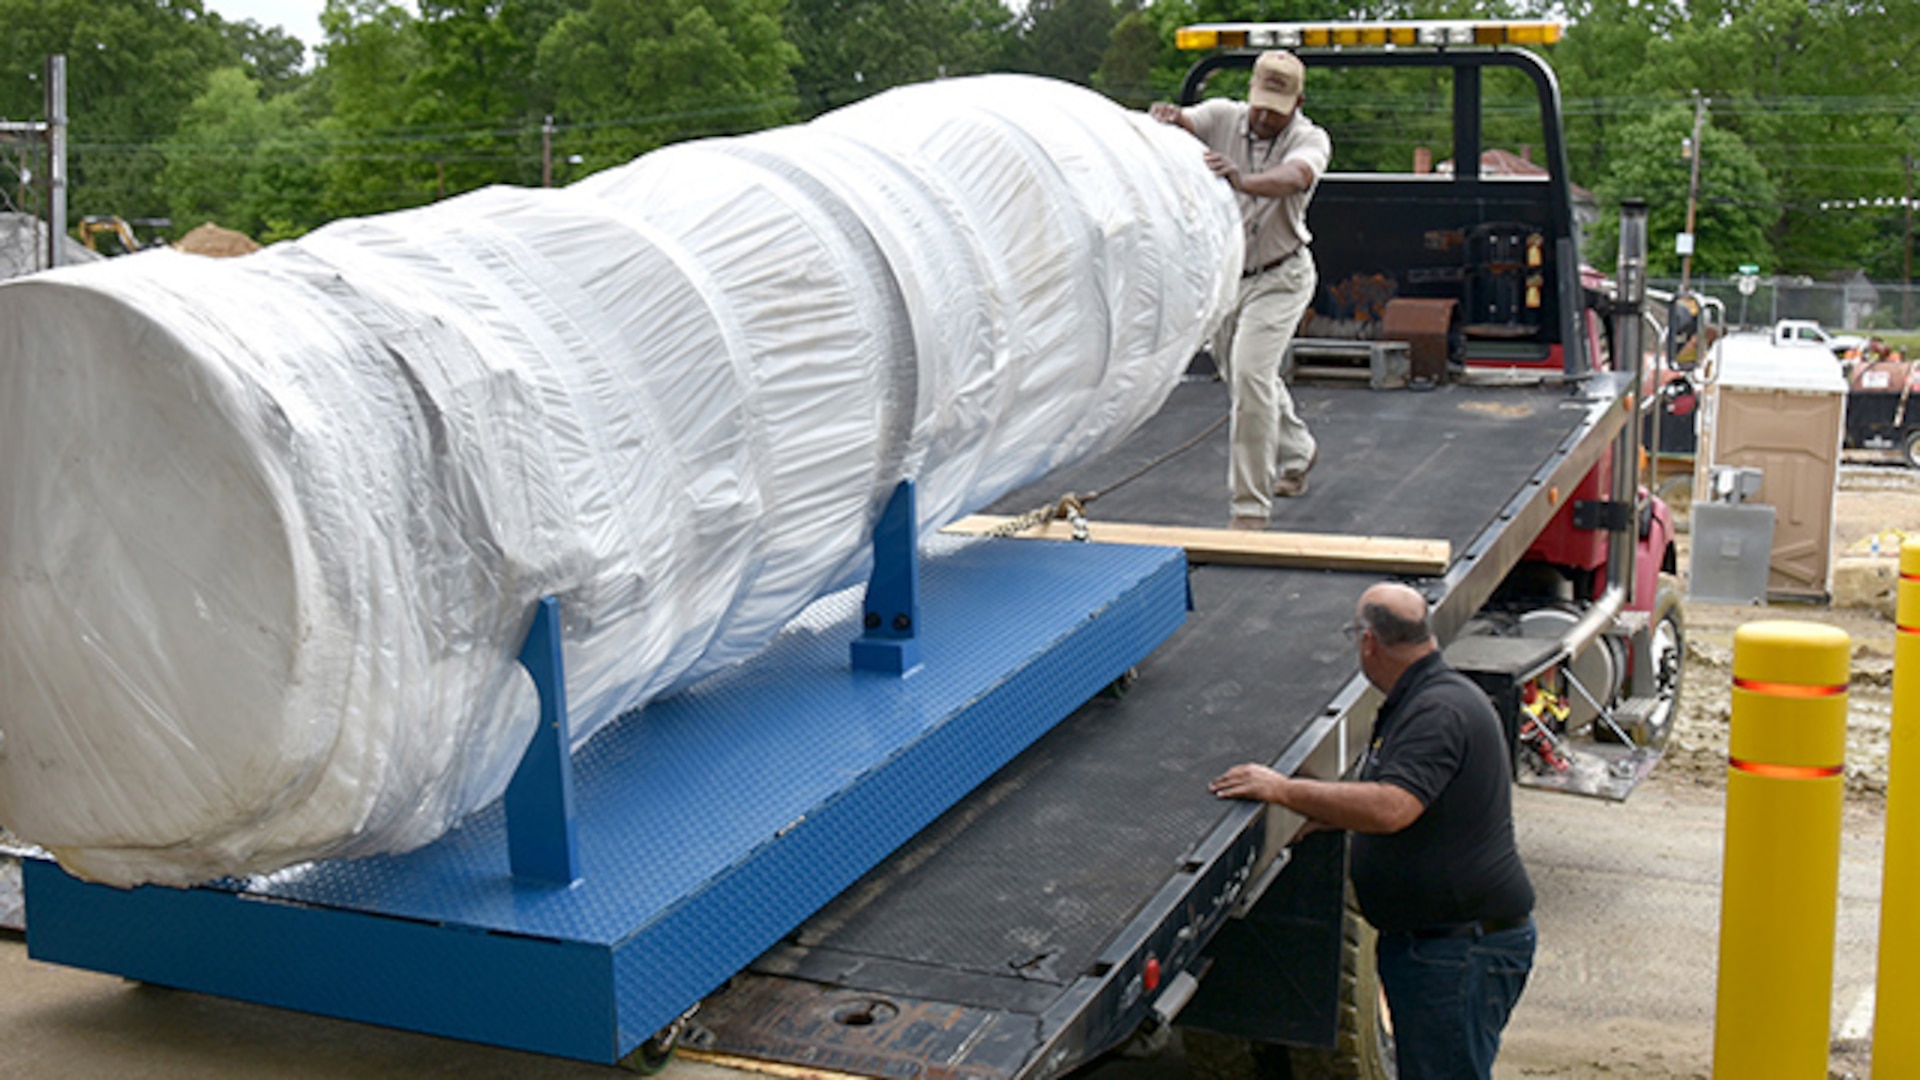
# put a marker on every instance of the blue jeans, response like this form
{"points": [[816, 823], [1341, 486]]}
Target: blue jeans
{"points": [[1451, 997]]}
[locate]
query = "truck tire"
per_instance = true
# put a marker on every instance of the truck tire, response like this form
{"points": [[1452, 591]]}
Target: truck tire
{"points": [[1363, 1044], [1668, 640], [1363, 1041], [1910, 450]]}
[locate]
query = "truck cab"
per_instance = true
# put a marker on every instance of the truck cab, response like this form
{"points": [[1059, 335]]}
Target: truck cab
{"points": [[1432, 204], [1801, 332], [1448, 219]]}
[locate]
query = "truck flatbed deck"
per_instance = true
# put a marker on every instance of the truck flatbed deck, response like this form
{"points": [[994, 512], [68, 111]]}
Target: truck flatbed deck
{"points": [[1091, 888], [987, 945]]}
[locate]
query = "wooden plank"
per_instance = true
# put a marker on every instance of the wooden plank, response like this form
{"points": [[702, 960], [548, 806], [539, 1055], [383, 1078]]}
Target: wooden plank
{"points": [[1315, 551]]}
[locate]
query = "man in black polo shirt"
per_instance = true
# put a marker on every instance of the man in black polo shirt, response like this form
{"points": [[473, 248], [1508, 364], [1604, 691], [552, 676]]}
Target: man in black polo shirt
{"points": [[1434, 864]]}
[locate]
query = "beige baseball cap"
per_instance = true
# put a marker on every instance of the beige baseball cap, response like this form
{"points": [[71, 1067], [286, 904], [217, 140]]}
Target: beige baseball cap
{"points": [[1278, 78]]}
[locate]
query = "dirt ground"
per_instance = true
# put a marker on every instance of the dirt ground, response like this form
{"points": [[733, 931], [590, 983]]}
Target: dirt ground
{"points": [[1624, 985], [1657, 925], [1875, 502]]}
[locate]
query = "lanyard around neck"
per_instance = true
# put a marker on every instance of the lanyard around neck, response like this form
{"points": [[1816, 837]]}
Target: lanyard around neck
{"points": [[1266, 157]]}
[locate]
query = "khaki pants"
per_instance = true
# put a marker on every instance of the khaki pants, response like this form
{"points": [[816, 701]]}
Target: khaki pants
{"points": [[1266, 434]]}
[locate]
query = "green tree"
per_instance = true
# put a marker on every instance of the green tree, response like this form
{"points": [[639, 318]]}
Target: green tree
{"points": [[271, 56], [373, 161], [476, 91], [850, 49], [1212, 11], [242, 161], [627, 77], [132, 68], [1737, 207], [1064, 39], [984, 34], [1126, 70], [1170, 64], [1598, 64], [284, 191], [1820, 92], [420, 108]]}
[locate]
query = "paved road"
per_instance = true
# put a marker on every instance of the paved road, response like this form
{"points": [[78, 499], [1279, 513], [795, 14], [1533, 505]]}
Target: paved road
{"points": [[1629, 910], [1629, 914]]}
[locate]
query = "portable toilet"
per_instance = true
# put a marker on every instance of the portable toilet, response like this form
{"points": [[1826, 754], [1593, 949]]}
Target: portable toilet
{"points": [[1780, 409]]}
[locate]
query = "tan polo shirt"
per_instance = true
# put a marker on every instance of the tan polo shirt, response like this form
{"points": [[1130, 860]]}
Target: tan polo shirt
{"points": [[1274, 227]]}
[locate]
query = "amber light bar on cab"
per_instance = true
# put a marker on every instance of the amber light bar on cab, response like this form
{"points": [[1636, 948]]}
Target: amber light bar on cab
{"points": [[1334, 35]]}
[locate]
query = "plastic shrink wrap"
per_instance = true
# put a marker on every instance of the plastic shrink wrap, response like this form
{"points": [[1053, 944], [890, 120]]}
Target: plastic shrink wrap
{"points": [[274, 526]]}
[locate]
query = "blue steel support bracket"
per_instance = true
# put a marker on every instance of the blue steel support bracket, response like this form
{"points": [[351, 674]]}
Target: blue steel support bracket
{"points": [[542, 843], [690, 881], [891, 643]]}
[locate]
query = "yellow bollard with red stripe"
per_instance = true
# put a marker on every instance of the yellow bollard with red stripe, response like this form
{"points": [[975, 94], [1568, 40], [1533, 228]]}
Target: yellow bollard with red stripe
{"points": [[1780, 880], [1896, 999]]}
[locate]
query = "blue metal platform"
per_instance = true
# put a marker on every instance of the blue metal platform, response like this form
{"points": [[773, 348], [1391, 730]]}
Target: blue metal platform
{"points": [[708, 826]]}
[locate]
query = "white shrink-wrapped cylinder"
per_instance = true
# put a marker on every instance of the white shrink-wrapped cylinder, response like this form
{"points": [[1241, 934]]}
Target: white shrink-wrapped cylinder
{"points": [[272, 528]]}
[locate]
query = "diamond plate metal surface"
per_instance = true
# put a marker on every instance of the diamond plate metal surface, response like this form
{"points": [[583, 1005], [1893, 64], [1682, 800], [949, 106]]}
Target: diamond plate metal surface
{"points": [[710, 824]]}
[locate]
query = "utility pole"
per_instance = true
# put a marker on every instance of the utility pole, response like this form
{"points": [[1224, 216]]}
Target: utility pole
{"points": [[1693, 187], [1906, 294], [546, 152], [56, 157]]}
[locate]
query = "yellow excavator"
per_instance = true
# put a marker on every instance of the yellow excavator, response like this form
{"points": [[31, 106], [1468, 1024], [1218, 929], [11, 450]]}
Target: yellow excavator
{"points": [[92, 225]]}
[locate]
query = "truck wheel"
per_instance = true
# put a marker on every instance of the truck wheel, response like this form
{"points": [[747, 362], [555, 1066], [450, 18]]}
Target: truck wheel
{"points": [[1910, 450], [1668, 643], [1363, 1045]]}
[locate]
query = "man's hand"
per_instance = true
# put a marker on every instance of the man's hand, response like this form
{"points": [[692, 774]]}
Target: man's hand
{"points": [[1362, 806], [1168, 113], [1224, 169], [1249, 782]]}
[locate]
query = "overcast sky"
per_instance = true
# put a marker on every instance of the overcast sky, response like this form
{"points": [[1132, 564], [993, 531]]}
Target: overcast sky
{"points": [[301, 18]]}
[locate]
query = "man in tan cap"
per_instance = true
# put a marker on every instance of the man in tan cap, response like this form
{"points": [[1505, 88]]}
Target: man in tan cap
{"points": [[1272, 155]]}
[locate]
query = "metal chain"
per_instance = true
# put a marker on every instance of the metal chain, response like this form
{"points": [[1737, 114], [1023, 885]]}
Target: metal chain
{"points": [[1068, 507], [1072, 508]]}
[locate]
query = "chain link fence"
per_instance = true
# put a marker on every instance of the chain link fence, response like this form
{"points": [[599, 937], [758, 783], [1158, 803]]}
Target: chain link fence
{"points": [[1856, 306]]}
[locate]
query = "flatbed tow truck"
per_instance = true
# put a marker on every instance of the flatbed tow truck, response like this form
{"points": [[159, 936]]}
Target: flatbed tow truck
{"points": [[1091, 889]]}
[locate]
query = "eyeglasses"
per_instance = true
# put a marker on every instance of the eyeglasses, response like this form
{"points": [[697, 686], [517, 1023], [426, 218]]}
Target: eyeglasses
{"points": [[1354, 629]]}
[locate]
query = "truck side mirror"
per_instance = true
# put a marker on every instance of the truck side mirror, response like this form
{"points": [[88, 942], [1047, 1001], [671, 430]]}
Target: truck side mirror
{"points": [[1683, 332]]}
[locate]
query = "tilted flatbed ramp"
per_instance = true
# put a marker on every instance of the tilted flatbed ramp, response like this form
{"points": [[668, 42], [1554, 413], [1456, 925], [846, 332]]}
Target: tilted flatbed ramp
{"points": [[1043, 917]]}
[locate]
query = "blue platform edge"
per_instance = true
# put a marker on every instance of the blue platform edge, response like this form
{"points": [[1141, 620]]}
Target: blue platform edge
{"points": [[710, 825]]}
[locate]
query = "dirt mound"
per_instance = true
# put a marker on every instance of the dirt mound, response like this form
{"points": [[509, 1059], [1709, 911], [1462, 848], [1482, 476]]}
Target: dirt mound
{"points": [[220, 243]]}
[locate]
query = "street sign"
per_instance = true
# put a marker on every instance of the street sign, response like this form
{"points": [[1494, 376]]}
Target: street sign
{"points": [[1748, 283], [1749, 269]]}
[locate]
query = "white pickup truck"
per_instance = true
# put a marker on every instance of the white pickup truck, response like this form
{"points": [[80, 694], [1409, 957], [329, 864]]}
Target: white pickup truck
{"points": [[1808, 332]]}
